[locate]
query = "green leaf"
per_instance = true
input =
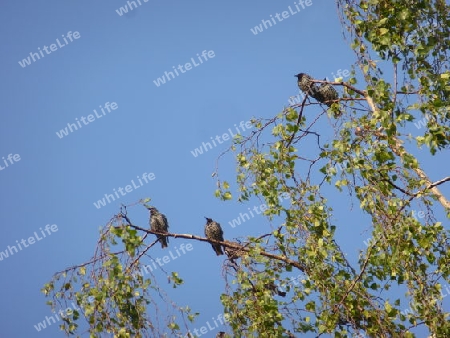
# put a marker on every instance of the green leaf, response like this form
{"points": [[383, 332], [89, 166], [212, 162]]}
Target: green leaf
{"points": [[383, 31]]}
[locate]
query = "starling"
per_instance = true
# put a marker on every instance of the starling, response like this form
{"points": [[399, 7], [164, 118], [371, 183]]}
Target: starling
{"points": [[158, 222], [305, 84], [326, 94], [214, 231]]}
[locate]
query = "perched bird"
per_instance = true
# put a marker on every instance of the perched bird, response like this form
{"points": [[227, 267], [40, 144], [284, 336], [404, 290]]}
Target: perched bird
{"points": [[158, 222], [214, 231], [221, 334], [326, 94], [305, 84]]}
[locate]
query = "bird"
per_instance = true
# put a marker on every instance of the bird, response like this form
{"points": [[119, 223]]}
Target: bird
{"points": [[326, 94], [305, 83], [215, 232], [158, 222]]}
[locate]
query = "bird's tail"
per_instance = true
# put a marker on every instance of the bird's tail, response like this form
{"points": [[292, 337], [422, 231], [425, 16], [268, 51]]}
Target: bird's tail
{"points": [[164, 241], [218, 249]]}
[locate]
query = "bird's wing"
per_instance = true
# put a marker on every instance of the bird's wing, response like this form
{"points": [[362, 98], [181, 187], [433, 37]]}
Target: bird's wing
{"points": [[221, 231], [165, 221]]}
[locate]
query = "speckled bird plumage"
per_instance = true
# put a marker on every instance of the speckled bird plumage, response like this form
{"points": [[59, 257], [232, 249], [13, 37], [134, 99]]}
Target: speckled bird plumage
{"points": [[326, 94], [323, 93], [215, 232], [305, 83], [158, 222]]}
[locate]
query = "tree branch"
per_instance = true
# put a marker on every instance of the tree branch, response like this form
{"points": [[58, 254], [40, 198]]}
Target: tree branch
{"points": [[399, 151], [227, 244]]}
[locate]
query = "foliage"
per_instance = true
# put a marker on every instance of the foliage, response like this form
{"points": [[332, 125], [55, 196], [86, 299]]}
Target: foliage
{"points": [[296, 278], [115, 291]]}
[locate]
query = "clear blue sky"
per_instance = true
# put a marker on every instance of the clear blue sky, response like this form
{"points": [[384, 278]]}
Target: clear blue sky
{"points": [[116, 58]]}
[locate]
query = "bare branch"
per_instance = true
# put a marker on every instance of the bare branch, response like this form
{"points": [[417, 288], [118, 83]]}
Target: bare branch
{"points": [[227, 244]]}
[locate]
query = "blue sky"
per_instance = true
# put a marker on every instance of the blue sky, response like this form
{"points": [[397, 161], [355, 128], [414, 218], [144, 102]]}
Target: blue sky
{"points": [[116, 59]]}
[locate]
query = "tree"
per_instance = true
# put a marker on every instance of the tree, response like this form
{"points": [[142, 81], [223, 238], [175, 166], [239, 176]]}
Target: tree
{"points": [[369, 155]]}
